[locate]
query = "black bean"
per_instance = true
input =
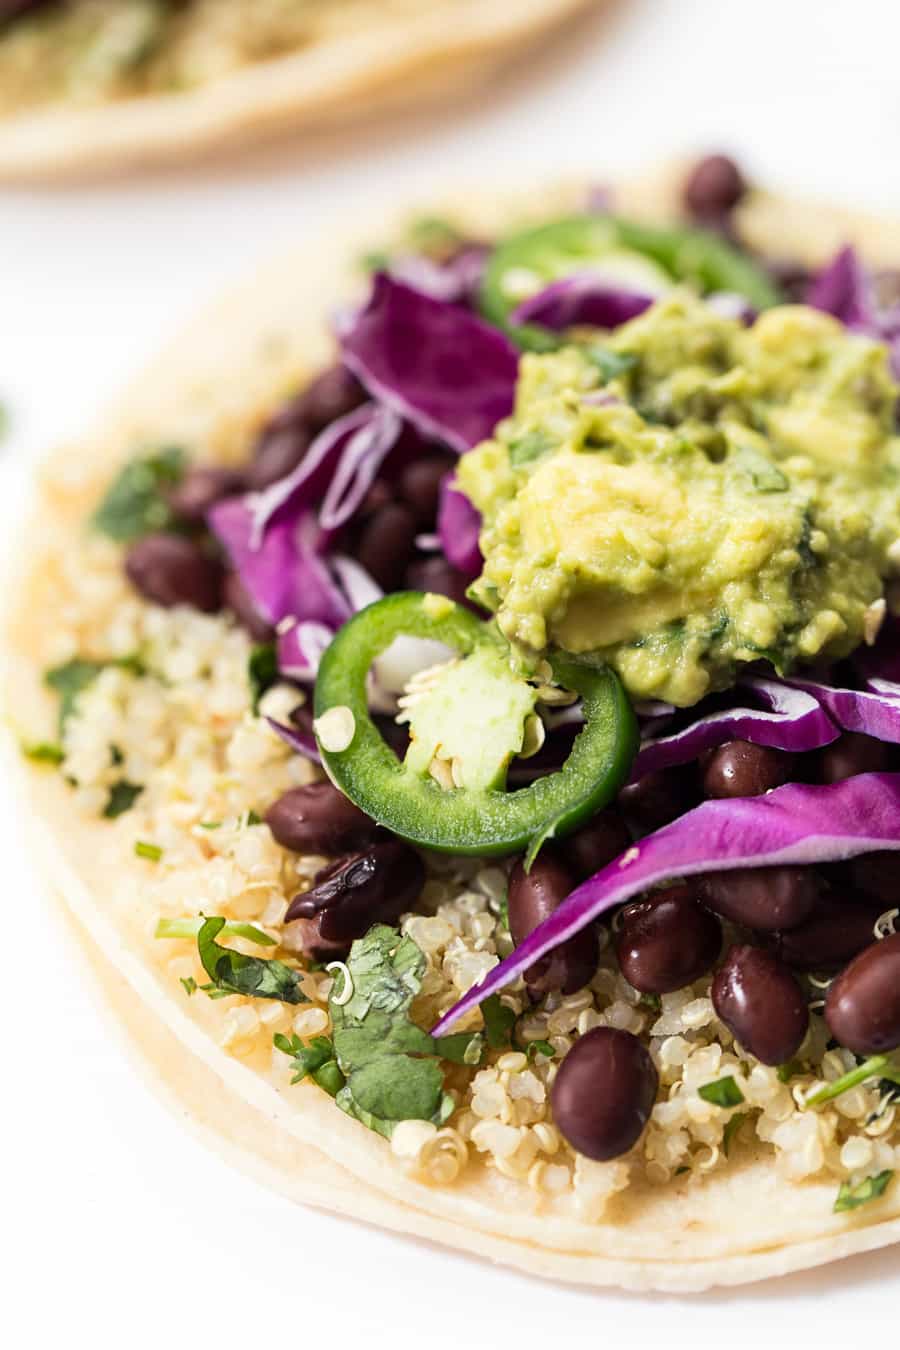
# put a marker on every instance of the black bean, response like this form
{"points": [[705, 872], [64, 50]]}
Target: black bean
{"points": [[596, 844], [386, 544], [236, 598], [200, 489], [714, 188], [170, 570], [376, 885], [420, 484], [604, 1092], [739, 769], [791, 278], [394, 733], [761, 1003], [532, 897], [667, 940], [763, 898], [317, 818], [851, 754], [862, 1007], [659, 797], [332, 394], [877, 875], [280, 448], [838, 930], [437, 576], [11, 9]]}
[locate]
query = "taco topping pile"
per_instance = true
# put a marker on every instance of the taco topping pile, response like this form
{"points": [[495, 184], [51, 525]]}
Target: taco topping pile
{"points": [[510, 735]]}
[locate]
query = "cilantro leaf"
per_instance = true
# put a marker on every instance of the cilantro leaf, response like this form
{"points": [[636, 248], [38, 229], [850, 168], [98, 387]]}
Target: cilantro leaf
{"points": [[611, 364], [262, 671], [498, 1022], [851, 1197], [43, 752], [72, 678], [723, 1092], [122, 797], [731, 1129], [315, 1061], [233, 973], [390, 1064], [135, 503], [529, 447]]}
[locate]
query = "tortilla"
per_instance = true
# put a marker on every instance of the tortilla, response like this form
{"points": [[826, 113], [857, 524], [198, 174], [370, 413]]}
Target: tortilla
{"points": [[737, 1223], [399, 58]]}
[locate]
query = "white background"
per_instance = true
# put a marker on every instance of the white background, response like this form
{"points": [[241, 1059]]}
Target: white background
{"points": [[121, 1229]]}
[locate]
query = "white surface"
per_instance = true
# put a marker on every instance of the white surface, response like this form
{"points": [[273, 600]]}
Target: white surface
{"points": [[121, 1228]]}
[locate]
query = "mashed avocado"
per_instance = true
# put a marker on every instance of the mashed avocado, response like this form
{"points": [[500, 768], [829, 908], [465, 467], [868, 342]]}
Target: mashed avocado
{"points": [[694, 495]]}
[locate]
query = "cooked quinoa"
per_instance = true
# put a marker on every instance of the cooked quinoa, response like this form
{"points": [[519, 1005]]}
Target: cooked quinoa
{"points": [[185, 731]]}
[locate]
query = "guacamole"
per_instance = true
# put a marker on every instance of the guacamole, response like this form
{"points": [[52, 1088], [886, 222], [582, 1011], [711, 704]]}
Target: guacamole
{"points": [[693, 495]]}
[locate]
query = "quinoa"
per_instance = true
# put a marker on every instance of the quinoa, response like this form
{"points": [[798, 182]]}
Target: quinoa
{"points": [[179, 723]]}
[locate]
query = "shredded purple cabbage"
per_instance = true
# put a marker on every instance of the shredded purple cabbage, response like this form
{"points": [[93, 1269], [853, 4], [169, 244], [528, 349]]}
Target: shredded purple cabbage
{"points": [[301, 741], [849, 291], [459, 525], [795, 721], [583, 298], [301, 648], [793, 824], [873, 712], [441, 368], [456, 280]]}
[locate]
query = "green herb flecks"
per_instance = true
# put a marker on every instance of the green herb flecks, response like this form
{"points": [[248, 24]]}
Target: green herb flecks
{"points": [[262, 671], [540, 1048], [122, 797], [877, 1066], [71, 679], [529, 447], [498, 1022], [136, 503], [143, 849], [391, 1066], [723, 1092], [233, 973], [315, 1060], [190, 928], [851, 1197], [189, 985], [785, 1072], [611, 364], [43, 752]]}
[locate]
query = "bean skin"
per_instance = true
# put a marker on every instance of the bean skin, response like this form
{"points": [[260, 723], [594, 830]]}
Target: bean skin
{"points": [[862, 1007], [766, 899], [200, 489], [375, 885], [596, 844], [420, 484], [236, 598], [531, 898], [659, 797], [851, 754], [740, 769], [667, 940], [170, 570], [838, 930], [714, 187], [332, 394], [761, 1003], [386, 544], [280, 448], [604, 1092], [317, 818], [877, 875]]}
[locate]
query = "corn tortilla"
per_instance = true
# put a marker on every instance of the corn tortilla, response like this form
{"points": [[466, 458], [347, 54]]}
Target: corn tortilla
{"points": [[740, 1223]]}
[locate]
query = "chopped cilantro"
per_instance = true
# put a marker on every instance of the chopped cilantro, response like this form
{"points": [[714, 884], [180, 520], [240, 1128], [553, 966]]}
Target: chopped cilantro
{"points": [[262, 671], [73, 677], [135, 503], [233, 973], [540, 1048], [652, 1002], [498, 1022], [189, 985], [122, 797], [252, 818], [786, 1072], [878, 1066], [723, 1092], [851, 1197], [315, 1060], [152, 852], [529, 447], [43, 752]]}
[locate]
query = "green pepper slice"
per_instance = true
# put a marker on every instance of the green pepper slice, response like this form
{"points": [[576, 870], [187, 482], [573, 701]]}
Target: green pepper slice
{"points": [[580, 243], [483, 821]]}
